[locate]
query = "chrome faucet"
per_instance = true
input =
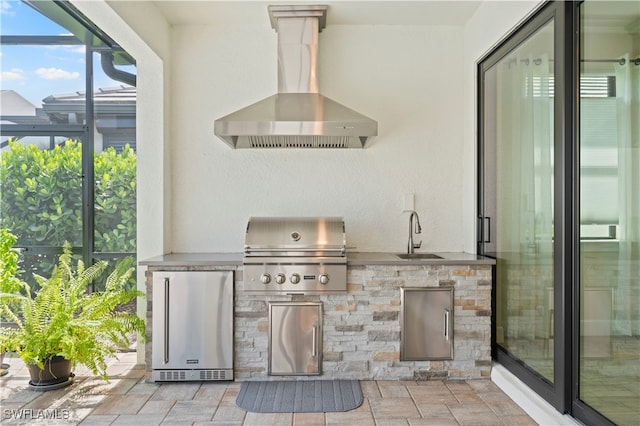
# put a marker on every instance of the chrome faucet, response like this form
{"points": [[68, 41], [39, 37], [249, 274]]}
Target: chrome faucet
{"points": [[413, 228]]}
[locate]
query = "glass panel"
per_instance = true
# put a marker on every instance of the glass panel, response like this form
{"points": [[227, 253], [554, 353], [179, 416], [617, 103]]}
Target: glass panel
{"points": [[41, 190], [519, 165], [114, 162], [115, 200], [609, 374], [41, 196], [18, 18], [42, 80]]}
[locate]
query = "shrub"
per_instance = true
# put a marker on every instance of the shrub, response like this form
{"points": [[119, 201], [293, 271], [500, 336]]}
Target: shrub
{"points": [[42, 193], [41, 199]]}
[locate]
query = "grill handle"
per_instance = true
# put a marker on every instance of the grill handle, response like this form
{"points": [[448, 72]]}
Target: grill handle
{"points": [[249, 250]]}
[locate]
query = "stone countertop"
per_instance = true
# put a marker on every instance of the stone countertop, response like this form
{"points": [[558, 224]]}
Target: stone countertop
{"points": [[195, 259], [385, 258], [353, 259]]}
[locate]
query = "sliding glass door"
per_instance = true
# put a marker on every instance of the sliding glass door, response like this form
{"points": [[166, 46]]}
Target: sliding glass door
{"points": [[519, 145], [609, 140], [559, 205], [522, 131]]}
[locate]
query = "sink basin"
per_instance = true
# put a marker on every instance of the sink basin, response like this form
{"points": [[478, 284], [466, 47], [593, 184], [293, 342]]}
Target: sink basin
{"points": [[411, 256]]}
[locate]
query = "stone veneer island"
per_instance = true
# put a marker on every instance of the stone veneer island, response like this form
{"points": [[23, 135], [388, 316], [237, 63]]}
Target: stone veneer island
{"points": [[361, 327]]}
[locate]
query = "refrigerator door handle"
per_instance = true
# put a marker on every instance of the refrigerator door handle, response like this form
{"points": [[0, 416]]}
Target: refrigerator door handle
{"points": [[166, 320]]}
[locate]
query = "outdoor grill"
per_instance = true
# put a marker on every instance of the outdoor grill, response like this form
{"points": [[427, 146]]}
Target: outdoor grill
{"points": [[295, 255]]}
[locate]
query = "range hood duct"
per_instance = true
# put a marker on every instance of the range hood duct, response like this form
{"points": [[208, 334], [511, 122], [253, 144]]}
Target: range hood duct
{"points": [[297, 116]]}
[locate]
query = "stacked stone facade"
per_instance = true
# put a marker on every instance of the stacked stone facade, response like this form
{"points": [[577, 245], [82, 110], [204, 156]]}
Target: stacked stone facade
{"points": [[361, 328]]}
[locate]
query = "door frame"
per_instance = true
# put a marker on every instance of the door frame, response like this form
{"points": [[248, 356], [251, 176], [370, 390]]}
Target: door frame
{"points": [[558, 393]]}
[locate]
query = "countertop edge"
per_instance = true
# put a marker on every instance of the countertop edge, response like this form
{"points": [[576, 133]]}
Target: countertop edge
{"points": [[194, 259], [353, 259]]}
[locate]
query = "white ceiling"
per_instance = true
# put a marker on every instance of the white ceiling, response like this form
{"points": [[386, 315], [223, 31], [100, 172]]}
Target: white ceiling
{"points": [[355, 12]]}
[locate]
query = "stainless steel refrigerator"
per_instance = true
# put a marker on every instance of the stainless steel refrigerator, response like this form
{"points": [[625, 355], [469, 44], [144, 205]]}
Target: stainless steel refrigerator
{"points": [[192, 328]]}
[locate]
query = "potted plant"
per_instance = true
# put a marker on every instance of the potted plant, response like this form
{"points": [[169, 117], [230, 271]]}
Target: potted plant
{"points": [[63, 325]]}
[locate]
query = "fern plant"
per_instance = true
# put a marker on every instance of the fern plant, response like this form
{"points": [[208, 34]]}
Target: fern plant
{"points": [[63, 319]]}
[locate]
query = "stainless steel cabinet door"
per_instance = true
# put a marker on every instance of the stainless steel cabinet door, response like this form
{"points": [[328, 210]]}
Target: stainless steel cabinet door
{"points": [[427, 324], [295, 338], [192, 320]]}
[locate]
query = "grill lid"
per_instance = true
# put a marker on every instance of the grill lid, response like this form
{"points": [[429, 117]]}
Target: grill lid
{"points": [[295, 236]]}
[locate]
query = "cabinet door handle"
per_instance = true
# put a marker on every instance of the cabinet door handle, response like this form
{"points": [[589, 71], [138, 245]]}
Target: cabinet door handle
{"points": [[447, 315], [166, 320], [314, 337]]}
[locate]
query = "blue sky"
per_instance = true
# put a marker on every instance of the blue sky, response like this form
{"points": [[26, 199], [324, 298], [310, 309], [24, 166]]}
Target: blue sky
{"points": [[38, 71]]}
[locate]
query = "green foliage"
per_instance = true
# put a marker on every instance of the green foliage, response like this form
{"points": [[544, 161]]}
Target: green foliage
{"points": [[9, 281], [115, 200], [63, 319], [9, 271], [42, 193], [41, 199]]}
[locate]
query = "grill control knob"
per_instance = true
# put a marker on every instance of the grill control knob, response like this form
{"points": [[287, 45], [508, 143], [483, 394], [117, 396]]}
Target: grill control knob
{"points": [[295, 278], [265, 278], [280, 278], [324, 279]]}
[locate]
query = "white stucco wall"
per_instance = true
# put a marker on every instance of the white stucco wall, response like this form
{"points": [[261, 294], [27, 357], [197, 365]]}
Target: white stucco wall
{"points": [[418, 82], [407, 78]]}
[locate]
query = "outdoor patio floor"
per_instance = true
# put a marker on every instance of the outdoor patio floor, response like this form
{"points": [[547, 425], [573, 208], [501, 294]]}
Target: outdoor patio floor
{"points": [[129, 400]]}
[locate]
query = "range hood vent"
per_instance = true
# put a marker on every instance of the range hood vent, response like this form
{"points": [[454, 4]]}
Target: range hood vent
{"points": [[297, 116]]}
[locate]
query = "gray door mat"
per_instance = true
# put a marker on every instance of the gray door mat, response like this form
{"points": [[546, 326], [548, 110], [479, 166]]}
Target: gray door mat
{"points": [[302, 396]]}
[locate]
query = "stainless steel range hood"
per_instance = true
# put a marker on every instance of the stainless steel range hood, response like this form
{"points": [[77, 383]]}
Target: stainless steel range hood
{"points": [[297, 116]]}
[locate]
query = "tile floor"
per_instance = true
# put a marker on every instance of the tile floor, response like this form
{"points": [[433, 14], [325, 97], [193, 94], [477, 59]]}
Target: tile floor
{"points": [[129, 400]]}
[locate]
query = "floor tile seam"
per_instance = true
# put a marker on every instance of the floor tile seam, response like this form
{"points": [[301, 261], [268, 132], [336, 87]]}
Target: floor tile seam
{"points": [[231, 403], [455, 395], [143, 404], [501, 416], [377, 382], [422, 415], [117, 414], [370, 409], [460, 421], [213, 416], [458, 382], [503, 419], [385, 422], [164, 417]]}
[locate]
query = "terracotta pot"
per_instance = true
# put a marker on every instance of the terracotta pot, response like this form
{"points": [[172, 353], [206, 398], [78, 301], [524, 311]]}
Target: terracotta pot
{"points": [[56, 370]]}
